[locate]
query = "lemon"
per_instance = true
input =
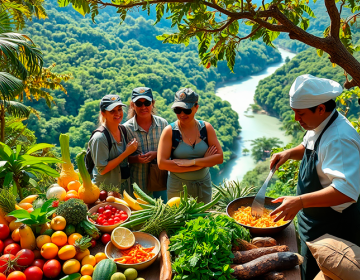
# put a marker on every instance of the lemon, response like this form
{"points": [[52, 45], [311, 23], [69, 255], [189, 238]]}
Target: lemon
{"points": [[118, 276], [131, 273], [174, 201], [122, 238]]}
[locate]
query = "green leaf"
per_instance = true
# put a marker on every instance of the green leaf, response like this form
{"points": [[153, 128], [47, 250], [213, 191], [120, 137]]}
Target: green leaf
{"points": [[46, 205], [63, 3], [81, 6], [8, 179], [35, 214], [308, 10], [37, 147], [230, 56], [5, 151], [20, 214], [319, 52]]}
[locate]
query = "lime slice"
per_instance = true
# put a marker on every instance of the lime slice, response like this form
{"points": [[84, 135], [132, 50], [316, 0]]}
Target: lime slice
{"points": [[122, 238]]}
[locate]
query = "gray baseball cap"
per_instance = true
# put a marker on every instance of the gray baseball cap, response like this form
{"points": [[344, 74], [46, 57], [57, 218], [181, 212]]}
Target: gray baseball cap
{"points": [[141, 92], [185, 98], [110, 101]]}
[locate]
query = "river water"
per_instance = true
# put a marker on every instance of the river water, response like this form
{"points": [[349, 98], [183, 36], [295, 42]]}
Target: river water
{"points": [[240, 94]]}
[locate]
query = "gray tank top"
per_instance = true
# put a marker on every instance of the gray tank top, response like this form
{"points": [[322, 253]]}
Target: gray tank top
{"points": [[185, 151]]}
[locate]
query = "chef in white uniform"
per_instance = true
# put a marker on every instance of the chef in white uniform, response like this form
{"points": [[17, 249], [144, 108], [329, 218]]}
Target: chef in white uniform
{"points": [[329, 176]]}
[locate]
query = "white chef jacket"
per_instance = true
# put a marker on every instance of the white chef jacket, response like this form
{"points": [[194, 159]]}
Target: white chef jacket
{"points": [[338, 163]]}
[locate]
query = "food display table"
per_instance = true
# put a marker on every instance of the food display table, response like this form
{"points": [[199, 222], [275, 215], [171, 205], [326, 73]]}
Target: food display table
{"points": [[286, 237]]}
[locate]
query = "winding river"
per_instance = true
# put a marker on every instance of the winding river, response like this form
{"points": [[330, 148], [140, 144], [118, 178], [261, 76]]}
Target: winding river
{"points": [[240, 94]]}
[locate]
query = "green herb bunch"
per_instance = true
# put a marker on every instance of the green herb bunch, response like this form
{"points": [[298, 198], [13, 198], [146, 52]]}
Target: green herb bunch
{"points": [[203, 248]]}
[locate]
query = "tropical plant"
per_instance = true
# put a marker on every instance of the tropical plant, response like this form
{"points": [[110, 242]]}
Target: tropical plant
{"points": [[215, 24], [16, 133], [231, 190], [262, 147], [19, 167]]}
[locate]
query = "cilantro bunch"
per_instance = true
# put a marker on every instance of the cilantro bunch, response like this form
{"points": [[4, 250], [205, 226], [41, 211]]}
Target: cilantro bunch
{"points": [[203, 248]]}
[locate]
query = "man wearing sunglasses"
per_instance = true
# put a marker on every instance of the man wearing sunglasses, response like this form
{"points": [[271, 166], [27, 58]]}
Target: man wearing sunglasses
{"points": [[146, 127], [188, 148]]}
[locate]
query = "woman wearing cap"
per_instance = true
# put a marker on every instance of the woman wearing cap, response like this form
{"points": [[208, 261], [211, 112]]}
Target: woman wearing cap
{"points": [[328, 185], [146, 127], [107, 163], [188, 148]]}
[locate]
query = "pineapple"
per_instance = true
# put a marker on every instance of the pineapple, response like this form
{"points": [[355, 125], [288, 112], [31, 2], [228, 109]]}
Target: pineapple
{"points": [[82, 243]]}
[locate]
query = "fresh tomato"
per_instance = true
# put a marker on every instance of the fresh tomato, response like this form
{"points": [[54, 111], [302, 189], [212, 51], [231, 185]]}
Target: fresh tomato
{"points": [[4, 261], [107, 207], [116, 220], [26, 257], [12, 249], [2, 276], [8, 241], [39, 263], [52, 268], [101, 210], [93, 243], [33, 273], [1, 247], [17, 275], [4, 231], [113, 209], [111, 221], [108, 213], [123, 217], [105, 238]]}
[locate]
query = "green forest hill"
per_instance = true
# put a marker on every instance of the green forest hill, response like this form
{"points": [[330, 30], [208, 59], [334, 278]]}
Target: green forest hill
{"points": [[109, 58]]}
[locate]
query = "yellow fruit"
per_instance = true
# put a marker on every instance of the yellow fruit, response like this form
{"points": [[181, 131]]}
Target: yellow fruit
{"points": [[49, 251], [14, 225], [74, 185], [71, 266], [73, 237], [86, 277], [132, 202], [122, 238], [139, 200], [27, 237], [174, 201], [90, 259], [67, 252], [15, 235], [29, 199], [87, 269], [58, 223], [25, 205], [136, 195], [59, 238], [72, 192], [99, 257], [42, 239], [118, 200], [44, 227], [79, 256]]}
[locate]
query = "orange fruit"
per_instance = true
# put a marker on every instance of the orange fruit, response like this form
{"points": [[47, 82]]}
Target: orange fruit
{"points": [[49, 251], [73, 237], [74, 185], [87, 269], [73, 192], [58, 223], [79, 256], [71, 266], [88, 260], [67, 252], [122, 238], [86, 277], [30, 209], [99, 257], [25, 205], [59, 238], [70, 195], [15, 235], [42, 239]]}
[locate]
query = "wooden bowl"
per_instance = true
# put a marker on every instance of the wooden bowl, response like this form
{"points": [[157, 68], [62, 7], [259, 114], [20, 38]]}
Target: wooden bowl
{"points": [[144, 239], [117, 206], [247, 201]]}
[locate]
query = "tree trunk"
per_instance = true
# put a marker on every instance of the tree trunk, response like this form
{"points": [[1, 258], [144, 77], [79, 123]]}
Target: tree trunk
{"points": [[2, 123]]}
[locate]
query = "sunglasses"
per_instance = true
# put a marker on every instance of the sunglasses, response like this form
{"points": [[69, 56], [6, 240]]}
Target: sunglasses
{"points": [[139, 103], [178, 111]]}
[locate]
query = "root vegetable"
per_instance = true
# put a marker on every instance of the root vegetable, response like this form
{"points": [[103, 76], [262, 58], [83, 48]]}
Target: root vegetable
{"points": [[276, 261], [247, 256], [165, 262], [274, 276], [264, 242], [242, 245]]}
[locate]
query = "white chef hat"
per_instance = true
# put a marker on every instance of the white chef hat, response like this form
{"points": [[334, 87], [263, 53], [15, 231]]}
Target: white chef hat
{"points": [[308, 91]]}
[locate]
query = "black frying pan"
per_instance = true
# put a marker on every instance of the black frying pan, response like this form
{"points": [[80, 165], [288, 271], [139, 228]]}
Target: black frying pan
{"points": [[247, 201]]}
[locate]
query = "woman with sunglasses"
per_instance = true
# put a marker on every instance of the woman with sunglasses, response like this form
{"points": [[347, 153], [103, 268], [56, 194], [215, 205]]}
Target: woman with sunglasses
{"points": [[188, 148], [109, 161], [146, 127]]}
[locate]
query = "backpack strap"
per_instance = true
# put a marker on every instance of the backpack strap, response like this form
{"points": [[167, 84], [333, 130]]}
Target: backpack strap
{"points": [[176, 138], [102, 129], [203, 132], [123, 129]]}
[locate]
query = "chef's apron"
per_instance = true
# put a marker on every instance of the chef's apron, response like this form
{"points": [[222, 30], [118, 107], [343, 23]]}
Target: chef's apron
{"points": [[317, 221]]}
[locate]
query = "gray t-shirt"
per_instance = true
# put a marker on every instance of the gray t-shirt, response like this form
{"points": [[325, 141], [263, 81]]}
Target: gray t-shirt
{"points": [[101, 156]]}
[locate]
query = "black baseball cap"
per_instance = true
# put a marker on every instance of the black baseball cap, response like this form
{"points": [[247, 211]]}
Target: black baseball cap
{"points": [[141, 92], [185, 98], [110, 101]]}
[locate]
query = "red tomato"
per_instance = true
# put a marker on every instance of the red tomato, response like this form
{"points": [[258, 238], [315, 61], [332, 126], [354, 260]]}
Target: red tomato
{"points": [[39, 263], [123, 216], [122, 212], [105, 238], [4, 231], [16, 275], [105, 224], [52, 268], [2, 276], [107, 213], [12, 249], [101, 210], [33, 273], [113, 209], [1, 247], [93, 243], [8, 241], [4, 259], [26, 257]]}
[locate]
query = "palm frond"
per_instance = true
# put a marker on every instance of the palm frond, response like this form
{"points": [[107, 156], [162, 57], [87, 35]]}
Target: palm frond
{"points": [[10, 86], [6, 23], [16, 109]]}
